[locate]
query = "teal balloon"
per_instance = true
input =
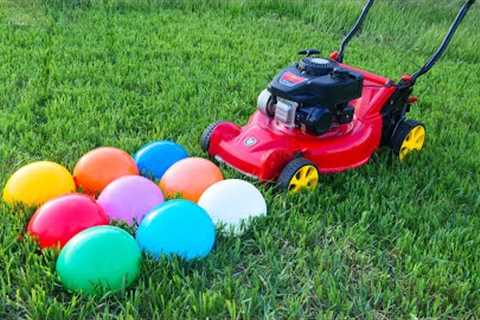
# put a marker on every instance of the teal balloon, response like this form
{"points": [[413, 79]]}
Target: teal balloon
{"points": [[155, 158], [177, 227], [99, 259]]}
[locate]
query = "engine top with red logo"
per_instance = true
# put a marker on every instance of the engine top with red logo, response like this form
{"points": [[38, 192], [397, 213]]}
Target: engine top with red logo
{"points": [[317, 81]]}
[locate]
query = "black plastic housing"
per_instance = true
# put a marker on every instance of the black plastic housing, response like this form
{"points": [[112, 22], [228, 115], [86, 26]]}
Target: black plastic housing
{"points": [[314, 120], [336, 87]]}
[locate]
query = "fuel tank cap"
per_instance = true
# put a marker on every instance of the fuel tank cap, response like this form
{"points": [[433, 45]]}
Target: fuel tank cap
{"points": [[316, 66]]}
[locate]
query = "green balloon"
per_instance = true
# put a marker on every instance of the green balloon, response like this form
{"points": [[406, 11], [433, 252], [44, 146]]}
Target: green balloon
{"points": [[99, 259]]}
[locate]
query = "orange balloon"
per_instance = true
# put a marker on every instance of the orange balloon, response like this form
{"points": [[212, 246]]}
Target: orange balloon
{"points": [[190, 177], [97, 168]]}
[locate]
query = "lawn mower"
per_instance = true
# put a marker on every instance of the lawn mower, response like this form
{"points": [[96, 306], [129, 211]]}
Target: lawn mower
{"points": [[322, 116]]}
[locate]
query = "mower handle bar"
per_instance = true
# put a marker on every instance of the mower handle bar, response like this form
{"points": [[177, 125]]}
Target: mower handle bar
{"points": [[354, 30], [433, 59], [443, 46]]}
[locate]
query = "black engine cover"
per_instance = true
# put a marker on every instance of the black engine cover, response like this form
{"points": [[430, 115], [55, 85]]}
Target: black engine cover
{"points": [[314, 120], [315, 81]]}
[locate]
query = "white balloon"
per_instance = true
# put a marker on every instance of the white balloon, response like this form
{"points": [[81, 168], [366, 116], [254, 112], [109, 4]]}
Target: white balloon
{"points": [[232, 202]]}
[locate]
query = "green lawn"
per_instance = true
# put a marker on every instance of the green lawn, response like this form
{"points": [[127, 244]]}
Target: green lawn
{"points": [[390, 240]]}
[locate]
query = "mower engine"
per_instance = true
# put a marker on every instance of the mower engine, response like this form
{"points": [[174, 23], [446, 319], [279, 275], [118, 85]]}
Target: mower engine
{"points": [[312, 95]]}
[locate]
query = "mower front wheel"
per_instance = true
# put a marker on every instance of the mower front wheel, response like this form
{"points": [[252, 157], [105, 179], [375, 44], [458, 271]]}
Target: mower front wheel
{"points": [[207, 135], [408, 137], [299, 174]]}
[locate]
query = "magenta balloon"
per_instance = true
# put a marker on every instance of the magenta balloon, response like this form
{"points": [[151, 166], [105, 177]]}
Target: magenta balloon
{"points": [[129, 198]]}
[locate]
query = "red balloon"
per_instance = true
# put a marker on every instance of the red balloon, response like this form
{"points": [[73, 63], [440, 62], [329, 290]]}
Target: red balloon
{"points": [[58, 220]]}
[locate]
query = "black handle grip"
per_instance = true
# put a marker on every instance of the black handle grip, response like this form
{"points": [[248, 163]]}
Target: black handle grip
{"points": [[309, 52]]}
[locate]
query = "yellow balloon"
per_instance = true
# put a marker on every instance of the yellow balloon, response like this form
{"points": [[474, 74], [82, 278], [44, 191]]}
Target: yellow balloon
{"points": [[38, 182]]}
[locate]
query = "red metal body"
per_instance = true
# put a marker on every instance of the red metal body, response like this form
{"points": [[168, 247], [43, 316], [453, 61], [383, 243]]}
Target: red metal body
{"points": [[263, 146]]}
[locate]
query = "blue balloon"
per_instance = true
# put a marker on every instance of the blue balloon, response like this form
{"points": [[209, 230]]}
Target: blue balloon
{"points": [[155, 158], [177, 227]]}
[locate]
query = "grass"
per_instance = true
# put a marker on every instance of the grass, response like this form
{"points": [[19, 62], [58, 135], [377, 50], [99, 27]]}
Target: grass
{"points": [[390, 240]]}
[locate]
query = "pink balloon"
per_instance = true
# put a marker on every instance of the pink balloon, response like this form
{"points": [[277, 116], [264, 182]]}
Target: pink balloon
{"points": [[129, 198]]}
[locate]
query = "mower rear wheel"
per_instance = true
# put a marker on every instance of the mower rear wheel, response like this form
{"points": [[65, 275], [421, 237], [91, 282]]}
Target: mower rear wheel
{"points": [[299, 174], [207, 135], [408, 137]]}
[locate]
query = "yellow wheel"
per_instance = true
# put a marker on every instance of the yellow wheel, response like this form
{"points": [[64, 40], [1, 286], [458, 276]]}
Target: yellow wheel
{"points": [[409, 137], [299, 174]]}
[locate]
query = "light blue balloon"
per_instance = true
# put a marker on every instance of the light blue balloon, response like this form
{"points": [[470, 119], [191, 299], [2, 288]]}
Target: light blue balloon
{"points": [[177, 227], [156, 157]]}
